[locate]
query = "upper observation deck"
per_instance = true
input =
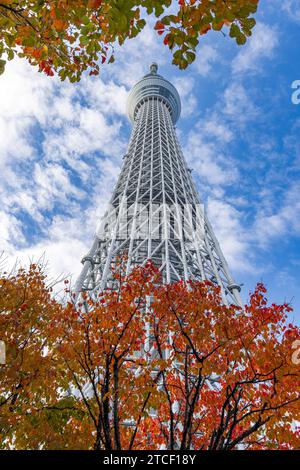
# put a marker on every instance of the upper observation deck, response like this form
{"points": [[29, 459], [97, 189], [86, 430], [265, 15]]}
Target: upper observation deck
{"points": [[153, 86]]}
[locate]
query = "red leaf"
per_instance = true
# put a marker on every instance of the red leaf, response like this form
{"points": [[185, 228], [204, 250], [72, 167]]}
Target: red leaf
{"points": [[159, 26]]}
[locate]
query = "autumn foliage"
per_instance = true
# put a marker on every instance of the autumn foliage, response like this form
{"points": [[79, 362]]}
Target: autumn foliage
{"points": [[71, 36], [145, 366]]}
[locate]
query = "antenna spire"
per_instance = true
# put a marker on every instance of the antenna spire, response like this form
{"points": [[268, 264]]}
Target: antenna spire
{"points": [[153, 68]]}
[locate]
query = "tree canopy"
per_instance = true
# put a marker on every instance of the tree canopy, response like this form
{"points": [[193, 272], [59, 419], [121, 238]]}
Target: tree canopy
{"points": [[117, 371], [71, 36]]}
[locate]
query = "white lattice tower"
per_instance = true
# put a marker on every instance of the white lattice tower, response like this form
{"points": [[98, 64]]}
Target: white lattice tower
{"points": [[155, 212]]}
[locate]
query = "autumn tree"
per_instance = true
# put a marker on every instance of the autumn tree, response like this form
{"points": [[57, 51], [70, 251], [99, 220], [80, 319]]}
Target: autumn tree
{"points": [[71, 36], [100, 355], [34, 405], [229, 381], [146, 365], [26, 308]]}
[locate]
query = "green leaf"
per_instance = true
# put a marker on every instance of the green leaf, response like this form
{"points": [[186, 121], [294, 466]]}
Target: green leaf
{"points": [[10, 54], [192, 42], [85, 20], [234, 31], [190, 56], [2, 66], [241, 39]]}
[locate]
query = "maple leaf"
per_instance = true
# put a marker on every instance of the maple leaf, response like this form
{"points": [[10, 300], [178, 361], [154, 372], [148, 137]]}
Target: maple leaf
{"points": [[236, 380], [73, 35]]}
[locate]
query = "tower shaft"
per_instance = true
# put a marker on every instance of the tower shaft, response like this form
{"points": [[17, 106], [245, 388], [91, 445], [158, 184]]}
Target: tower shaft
{"points": [[155, 212]]}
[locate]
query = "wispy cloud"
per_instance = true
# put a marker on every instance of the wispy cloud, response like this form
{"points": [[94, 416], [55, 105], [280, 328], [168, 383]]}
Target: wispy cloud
{"points": [[291, 7], [61, 149], [206, 59], [259, 47]]}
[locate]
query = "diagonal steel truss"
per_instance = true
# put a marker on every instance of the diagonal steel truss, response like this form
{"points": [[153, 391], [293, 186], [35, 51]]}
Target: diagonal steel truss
{"points": [[155, 211]]}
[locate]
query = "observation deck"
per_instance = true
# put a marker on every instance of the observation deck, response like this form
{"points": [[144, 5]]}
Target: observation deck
{"points": [[153, 85]]}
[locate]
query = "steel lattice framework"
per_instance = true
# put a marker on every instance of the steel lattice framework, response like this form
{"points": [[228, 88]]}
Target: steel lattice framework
{"points": [[155, 212]]}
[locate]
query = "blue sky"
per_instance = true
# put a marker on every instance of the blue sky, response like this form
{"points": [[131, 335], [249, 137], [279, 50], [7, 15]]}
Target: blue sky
{"points": [[62, 147]]}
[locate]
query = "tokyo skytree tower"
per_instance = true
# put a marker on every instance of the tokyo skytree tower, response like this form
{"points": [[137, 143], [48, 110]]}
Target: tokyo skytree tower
{"points": [[155, 212]]}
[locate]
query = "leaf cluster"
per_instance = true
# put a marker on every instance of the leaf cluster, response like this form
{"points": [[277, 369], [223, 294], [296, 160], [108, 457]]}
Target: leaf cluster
{"points": [[69, 37]]}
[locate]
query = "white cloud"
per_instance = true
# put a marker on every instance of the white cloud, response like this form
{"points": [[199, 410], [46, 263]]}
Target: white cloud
{"points": [[237, 104], [11, 231], [207, 55], [24, 101], [214, 127], [274, 222], [291, 7], [185, 86], [205, 156], [230, 231], [260, 45], [60, 256], [54, 135], [107, 97]]}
